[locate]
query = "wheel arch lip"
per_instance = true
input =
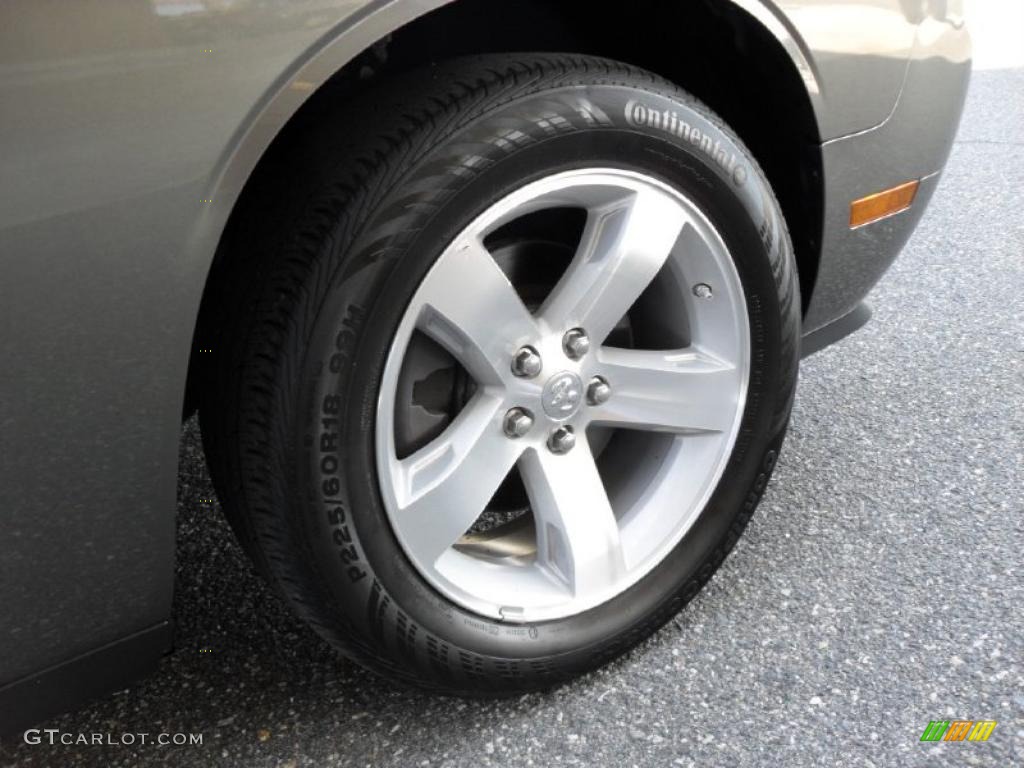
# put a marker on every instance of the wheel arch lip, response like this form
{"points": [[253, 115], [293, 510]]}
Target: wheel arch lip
{"points": [[373, 22], [367, 25], [770, 16]]}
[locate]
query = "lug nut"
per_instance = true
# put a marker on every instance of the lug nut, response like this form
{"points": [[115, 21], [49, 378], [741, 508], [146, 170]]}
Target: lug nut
{"points": [[526, 363], [702, 291], [518, 422], [598, 391], [562, 440], [575, 343]]}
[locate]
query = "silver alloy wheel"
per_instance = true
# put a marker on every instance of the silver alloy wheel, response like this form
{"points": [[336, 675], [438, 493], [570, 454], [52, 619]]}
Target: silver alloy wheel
{"points": [[595, 532]]}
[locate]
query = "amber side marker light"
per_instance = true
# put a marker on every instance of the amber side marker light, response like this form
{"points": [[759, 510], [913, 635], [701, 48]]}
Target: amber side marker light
{"points": [[882, 204]]}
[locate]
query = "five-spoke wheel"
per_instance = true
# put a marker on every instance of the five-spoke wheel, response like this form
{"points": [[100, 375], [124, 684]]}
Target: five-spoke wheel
{"points": [[550, 394]]}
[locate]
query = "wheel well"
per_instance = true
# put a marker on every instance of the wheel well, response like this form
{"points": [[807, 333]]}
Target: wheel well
{"points": [[715, 50]]}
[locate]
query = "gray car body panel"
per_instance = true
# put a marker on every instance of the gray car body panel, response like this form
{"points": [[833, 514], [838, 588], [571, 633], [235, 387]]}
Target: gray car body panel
{"points": [[127, 133], [913, 142]]}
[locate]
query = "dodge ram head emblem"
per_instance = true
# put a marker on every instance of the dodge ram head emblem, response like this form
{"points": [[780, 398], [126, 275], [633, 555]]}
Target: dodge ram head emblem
{"points": [[562, 395]]}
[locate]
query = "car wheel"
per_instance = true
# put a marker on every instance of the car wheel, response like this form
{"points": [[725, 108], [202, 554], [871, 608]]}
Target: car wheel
{"points": [[512, 369]]}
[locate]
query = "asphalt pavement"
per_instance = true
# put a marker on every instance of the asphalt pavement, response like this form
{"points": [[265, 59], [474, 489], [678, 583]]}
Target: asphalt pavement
{"points": [[878, 587]]}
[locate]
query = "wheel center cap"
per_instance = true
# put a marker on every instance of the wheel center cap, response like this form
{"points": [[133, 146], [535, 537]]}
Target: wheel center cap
{"points": [[562, 395]]}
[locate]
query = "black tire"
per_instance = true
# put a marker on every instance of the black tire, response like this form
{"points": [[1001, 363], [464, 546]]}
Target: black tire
{"points": [[373, 194]]}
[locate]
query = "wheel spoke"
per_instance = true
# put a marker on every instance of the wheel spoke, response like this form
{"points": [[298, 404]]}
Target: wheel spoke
{"points": [[443, 488], [690, 391], [623, 247], [469, 307], [577, 534]]}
